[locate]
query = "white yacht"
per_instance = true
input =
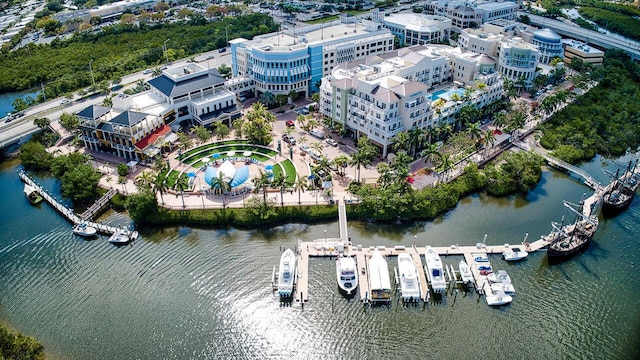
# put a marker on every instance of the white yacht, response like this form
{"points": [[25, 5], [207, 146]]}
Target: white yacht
{"points": [[498, 298], [346, 274], [500, 276], [379, 282], [85, 230], [409, 285], [119, 238], [504, 287], [465, 273], [514, 254], [286, 273], [434, 270]]}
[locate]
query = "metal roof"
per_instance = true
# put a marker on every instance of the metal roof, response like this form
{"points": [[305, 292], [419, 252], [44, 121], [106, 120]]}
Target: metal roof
{"points": [[172, 88], [128, 118], [93, 112]]}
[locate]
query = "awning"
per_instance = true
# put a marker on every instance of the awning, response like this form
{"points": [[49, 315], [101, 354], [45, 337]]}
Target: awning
{"points": [[171, 138], [209, 174], [242, 175], [153, 137]]}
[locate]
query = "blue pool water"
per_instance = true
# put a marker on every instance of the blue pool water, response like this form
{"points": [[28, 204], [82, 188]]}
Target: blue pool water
{"points": [[437, 94]]}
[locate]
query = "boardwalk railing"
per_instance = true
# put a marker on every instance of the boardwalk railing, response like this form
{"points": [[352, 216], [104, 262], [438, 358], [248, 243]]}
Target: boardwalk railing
{"points": [[98, 205], [588, 179]]}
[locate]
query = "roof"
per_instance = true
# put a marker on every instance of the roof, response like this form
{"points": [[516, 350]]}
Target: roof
{"points": [[409, 88], [128, 118], [93, 112], [172, 88], [385, 95], [153, 137], [547, 34]]}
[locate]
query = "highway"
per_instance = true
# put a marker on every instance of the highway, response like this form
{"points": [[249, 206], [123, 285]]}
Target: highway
{"points": [[12, 131]]}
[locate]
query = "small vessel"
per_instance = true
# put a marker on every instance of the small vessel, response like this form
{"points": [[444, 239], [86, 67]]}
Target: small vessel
{"points": [[465, 273], [498, 298], [85, 230], [286, 273], [481, 258], [32, 194], [504, 287], [434, 270], [346, 274], [623, 191], [500, 276], [409, 285], [567, 240], [379, 281], [514, 254], [119, 238]]}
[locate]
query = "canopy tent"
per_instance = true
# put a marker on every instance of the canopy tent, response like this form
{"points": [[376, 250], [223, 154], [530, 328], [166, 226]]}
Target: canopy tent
{"points": [[231, 153], [215, 156], [205, 160], [228, 170], [235, 177], [242, 175], [246, 153]]}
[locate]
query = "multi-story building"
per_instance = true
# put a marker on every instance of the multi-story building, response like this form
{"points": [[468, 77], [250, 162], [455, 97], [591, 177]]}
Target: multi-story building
{"points": [[471, 14], [480, 41], [415, 29], [297, 59], [396, 92], [490, 11], [548, 42], [125, 134], [578, 50], [517, 61]]}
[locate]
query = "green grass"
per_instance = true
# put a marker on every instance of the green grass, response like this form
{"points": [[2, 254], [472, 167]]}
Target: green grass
{"points": [[323, 19], [289, 169]]}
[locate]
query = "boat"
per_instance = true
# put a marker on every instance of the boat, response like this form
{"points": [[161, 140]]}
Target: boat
{"points": [[498, 298], [514, 254], [623, 191], [481, 258], [499, 277], [119, 238], [409, 285], [346, 274], [85, 230], [434, 270], [465, 273], [504, 287], [567, 240], [286, 273], [379, 282], [32, 194]]}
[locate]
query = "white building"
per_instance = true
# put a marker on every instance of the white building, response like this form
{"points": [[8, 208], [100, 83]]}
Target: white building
{"points": [[416, 29], [471, 14], [296, 59], [518, 60]]}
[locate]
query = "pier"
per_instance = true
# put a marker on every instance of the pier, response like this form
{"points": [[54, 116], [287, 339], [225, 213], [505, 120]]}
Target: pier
{"points": [[69, 214], [94, 209]]}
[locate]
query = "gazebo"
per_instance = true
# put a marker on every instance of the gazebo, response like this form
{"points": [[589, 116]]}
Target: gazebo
{"points": [[235, 177]]}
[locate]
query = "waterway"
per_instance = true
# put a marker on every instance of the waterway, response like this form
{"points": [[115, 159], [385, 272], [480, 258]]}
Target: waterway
{"points": [[187, 293], [6, 100]]}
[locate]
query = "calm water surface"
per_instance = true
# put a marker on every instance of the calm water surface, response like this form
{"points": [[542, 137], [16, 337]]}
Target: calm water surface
{"points": [[181, 293]]}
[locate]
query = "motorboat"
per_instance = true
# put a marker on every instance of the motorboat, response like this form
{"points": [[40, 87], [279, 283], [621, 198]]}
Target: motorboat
{"points": [[485, 267], [286, 273], [434, 270], [119, 238], [504, 287], [514, 254], [481, 258], [85, 230], [498, 298], [379, 282], [499, 276], [346, 274], [409, 285], [465, 272], [32, 194]]}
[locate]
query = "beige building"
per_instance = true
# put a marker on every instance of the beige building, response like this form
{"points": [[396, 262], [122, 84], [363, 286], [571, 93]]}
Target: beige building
{"points": [[578, 50]]}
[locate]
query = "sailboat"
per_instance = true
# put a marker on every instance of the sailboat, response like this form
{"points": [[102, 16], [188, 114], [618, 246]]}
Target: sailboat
{"points": [[623, 191], [570, 239]]}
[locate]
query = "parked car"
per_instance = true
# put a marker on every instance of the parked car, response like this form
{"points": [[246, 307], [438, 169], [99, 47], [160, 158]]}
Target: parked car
{"points": [[331, 142], [221, 50], [241, 98], [317, 133], [305, 148], [289, 139], [64, 101], [290, 123]]}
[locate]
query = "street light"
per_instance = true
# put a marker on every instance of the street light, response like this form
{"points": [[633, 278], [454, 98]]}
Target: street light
{"points": [[164, 48], [226, 31], [93, 80]]}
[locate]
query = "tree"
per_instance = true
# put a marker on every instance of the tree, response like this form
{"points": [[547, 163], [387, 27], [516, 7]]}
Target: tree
{"points": [[202, 133], [431, 153], [224, 70], [220, 184], [123, 181], [401, 141], [261, 181], [267, 98], [182, 184], [160, 185], [293, 95], [41, 122], [281, 99], [142, 205], [34, 156], [80, 183], [95, 20], [301, 185], [144, 181], [341, 162], [475, 131], [70, 121], [123, 170], [280, 182], [257, 127], [184, 140], [222, 130]]}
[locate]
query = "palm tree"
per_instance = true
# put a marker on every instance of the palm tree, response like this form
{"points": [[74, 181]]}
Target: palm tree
{"points": [[302, 140], [261, 182], [341, 162], [431, 152], [301, 184], [317, 147], [500, 120], [446, 163], [181, 185], [415, 138], [123, 180], [220, 183], [475, 131], [401, 141], [109, 178], [301, 119], [144, 180], [280, 182], [160, 185], [489, 139]]}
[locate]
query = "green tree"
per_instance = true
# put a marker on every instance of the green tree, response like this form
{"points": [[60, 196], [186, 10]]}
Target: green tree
{"points": [[70, 121], [123, 170], [280, 182], [182, 185], [41, 122], [267, 98], [142, 205], [202, 133], [431, 153], [281, 99], [224, 70], [222, 130], [160, 185], [184, 140], [80, 183], [17, 346], [401, 142], [258, 125], [301, 185], [220, 185], [261, 182], [34, 156]]}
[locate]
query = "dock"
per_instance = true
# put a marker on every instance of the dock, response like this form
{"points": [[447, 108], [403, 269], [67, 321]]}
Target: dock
{"points": [[69, 214], [97, 206]]}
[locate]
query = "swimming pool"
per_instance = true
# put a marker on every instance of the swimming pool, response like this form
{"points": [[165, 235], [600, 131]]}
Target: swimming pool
{"points": [[446, 94], [437, 94]]}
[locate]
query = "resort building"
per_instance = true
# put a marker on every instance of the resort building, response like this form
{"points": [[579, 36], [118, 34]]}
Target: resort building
{"points": [[471, 14], [548, 42], [578, 50], [491, 11], [480, 41], [297, 59], [396, 92], [517, 60], [126, 134], [416, 29]]}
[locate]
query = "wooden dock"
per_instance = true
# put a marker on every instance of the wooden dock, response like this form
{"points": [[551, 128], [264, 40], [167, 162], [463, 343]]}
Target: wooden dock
{"points": [[69, 214], [94, 209]]}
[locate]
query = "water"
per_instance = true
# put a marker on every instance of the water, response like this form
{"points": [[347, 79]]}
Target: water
{"points": [[6, 100], [181, 293]]}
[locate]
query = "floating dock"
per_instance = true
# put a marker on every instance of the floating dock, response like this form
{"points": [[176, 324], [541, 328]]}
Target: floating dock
{"points": [[70, 215]]}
